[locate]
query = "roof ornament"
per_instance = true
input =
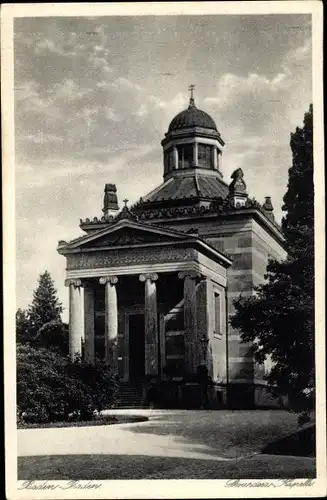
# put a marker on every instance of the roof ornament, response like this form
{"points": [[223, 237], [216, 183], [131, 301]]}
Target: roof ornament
{"points": [[237, 189], [192, 103], [237, 185], [126, 213], [110, 201], [268, 208]]}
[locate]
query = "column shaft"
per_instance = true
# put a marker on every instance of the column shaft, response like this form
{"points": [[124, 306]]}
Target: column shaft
{"points": [[195, 154], [111, 338], [175, 157], [215, 158], [219, 161], [75, 317], [82, 320], [151, 325], [89, 323]]}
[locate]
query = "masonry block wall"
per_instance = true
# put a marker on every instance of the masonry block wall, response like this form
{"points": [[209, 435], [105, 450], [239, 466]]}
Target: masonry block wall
{"points": [[250, 246], [235, 239]]}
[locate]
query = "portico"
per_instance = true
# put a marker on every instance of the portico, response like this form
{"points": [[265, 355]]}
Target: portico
{"points": [[153, 294]]}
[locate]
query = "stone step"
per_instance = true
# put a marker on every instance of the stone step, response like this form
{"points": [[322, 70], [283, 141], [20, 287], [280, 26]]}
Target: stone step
{"points": [[129, 396]]}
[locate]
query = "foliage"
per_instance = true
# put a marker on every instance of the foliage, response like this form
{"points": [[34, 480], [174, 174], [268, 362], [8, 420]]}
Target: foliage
{"points": [[279, 320], [51, 388], [99, 385], [23, 331], [53, 335], [45, 308]]}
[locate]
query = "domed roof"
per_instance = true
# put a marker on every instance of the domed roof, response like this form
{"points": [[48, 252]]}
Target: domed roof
{"points": [[192, 117]]}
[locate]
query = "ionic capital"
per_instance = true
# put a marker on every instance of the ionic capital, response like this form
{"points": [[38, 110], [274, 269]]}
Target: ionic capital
{"points": [[108, 279], [189, 274], [148, 276], [75, 282]]}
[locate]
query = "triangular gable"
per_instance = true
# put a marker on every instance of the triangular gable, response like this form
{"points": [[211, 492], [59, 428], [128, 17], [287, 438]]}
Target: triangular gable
{"points": [[127, 233]]}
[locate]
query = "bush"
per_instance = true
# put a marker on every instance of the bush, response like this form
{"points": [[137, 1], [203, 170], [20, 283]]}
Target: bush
{"points": [[95, 387], [51, 388], [53, 335]]}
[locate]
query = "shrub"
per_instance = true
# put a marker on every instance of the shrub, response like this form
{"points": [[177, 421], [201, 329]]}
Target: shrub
{"points": [[51, 388], [53, 335], [95, 386]]}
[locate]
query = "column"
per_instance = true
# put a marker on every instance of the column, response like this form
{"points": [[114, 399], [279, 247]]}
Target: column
{"points": [[75, 318], [89, 323], [215, 158], [151, 324], [82, 314], [190, 322], [111, 321], [219, 160], [175, 152], [195, 154]]}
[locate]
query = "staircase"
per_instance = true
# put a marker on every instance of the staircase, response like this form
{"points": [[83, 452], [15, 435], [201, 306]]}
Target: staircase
{"points": [[129, 396]]}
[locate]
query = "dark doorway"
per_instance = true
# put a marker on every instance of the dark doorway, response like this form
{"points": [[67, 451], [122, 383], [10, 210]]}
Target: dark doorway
{"points": [[136, 347]]}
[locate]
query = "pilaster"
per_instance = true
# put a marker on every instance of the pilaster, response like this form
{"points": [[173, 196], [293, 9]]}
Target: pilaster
{"points": [[190, 319]]}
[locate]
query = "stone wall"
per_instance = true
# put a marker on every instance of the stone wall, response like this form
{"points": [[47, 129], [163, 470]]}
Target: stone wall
{"points": [[249, 245]]}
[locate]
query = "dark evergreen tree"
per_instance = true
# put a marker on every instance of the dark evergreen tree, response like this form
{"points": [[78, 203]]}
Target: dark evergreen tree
{"points": [[23, 333], [279, 320], [45, 306]]}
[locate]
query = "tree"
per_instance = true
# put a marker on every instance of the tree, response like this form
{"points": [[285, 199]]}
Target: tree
{"points": [[279, 320], [23, 333], [45, 306]]}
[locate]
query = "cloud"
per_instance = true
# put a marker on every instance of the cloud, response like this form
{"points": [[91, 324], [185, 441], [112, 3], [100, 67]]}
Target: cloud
{"points": [[92, 105], [47, 46], [303, 52]]}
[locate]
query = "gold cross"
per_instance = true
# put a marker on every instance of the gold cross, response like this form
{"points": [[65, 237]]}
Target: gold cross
{"points": [[191, 88], [125, 201]]}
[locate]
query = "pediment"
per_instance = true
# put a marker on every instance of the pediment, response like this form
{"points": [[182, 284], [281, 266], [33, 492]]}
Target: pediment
{"points": [[126, 233], [128, 236]]}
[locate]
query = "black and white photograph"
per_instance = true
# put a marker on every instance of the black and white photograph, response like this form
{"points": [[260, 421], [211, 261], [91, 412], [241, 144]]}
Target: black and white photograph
{"points": [[164, 250]]}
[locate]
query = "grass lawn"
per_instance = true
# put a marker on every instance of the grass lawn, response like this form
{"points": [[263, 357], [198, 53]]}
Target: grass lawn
{"points": [[105, 467], [231, 434]]}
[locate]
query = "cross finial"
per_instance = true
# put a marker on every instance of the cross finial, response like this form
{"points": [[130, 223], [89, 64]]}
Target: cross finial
{"points": [[191, 89], [125, 201]]}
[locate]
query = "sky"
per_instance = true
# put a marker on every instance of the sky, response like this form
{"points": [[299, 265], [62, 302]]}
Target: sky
{"points": [[94, 97]]}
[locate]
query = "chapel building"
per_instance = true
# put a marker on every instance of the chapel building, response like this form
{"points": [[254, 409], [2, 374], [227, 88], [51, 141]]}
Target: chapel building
{"points": [[152, 286]]}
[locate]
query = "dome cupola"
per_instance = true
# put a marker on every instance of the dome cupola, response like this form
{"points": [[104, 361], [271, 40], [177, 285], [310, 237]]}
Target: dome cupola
{"points": [[192, 117], [192, 142]]}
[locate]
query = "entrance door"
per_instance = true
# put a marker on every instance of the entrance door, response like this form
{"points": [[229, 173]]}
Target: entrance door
{"points": [[136, 346]]}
